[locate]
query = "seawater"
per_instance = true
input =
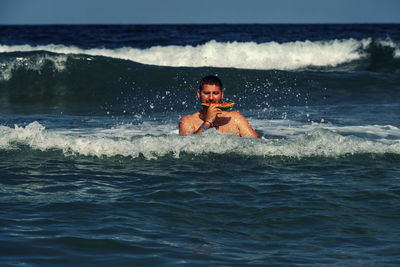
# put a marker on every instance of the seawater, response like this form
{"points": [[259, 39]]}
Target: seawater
{"points": [[93, 171]]}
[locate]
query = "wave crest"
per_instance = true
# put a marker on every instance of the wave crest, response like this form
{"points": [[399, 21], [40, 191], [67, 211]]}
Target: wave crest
{"points": [[243, 55], [33, 63], [320, 142]]}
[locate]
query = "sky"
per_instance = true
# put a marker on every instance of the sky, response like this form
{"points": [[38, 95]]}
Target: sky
{"points": [[197, 11]]}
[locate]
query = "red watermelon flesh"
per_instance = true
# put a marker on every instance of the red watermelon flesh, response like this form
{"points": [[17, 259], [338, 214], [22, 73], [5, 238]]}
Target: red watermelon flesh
{"points": [[222, 106]]}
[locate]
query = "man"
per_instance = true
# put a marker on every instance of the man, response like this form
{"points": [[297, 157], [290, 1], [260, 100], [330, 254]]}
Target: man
{"points": [[211, 92]]}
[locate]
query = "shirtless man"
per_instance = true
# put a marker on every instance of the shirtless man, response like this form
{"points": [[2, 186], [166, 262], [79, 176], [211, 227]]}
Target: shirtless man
{"points": [[210, 92]]}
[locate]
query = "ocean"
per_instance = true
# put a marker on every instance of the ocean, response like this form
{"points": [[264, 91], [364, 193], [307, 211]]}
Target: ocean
{"points": [[94, 172]]}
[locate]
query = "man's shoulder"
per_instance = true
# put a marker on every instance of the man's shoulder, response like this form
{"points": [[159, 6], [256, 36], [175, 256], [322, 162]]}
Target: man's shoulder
{"points": [[238, 117], [189, 117], [235, 114]]}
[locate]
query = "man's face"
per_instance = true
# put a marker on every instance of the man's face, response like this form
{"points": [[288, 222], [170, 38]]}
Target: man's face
{"points": [[210, 94]]}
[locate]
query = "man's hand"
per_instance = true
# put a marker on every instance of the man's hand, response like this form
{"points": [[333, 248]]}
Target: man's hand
{"points": [[212, 113]]}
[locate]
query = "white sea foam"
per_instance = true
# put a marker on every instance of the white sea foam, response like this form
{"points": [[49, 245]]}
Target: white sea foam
{"points": [[393, 45], [319, 141], [292, 129], [34, 63], [245, 55]]}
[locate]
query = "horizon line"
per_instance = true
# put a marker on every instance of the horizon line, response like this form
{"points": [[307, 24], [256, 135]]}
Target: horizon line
{"points": [[216, 23]]}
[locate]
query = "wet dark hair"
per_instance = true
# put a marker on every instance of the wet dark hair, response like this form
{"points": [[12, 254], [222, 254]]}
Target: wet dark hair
{"points": [[212, 80]]}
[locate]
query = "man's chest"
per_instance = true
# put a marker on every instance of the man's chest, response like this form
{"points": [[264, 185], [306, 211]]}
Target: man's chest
{"points": [[225, 124]]}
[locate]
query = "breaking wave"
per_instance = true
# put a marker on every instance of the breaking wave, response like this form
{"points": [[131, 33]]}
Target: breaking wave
{"points": [[242, 55], [133, 141]]}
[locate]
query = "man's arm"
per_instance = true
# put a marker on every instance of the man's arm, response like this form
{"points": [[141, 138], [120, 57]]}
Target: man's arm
{"points": [[185, 126], [245, 130]]}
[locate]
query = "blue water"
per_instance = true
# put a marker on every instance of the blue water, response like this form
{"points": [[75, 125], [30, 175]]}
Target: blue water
{"points": [[93, 171]]}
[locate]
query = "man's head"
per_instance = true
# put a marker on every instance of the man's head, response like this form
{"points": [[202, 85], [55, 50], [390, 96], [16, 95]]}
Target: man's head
{"points": [[210, 90], [211, 80]]}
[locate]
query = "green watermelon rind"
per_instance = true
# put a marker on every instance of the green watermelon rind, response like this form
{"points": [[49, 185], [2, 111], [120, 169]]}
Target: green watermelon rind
{"points": [[223, 106]]}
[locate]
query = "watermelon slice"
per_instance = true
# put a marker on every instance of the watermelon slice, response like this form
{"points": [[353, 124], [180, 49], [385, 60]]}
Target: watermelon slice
{"points": [[222, 106]]}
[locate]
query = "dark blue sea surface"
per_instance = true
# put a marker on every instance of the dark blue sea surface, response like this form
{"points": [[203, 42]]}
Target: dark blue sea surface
{"points": [[93, 171]]}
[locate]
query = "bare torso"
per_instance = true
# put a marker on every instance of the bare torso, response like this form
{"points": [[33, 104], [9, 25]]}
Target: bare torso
{"points": [[210, 92], [227, 122]]}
